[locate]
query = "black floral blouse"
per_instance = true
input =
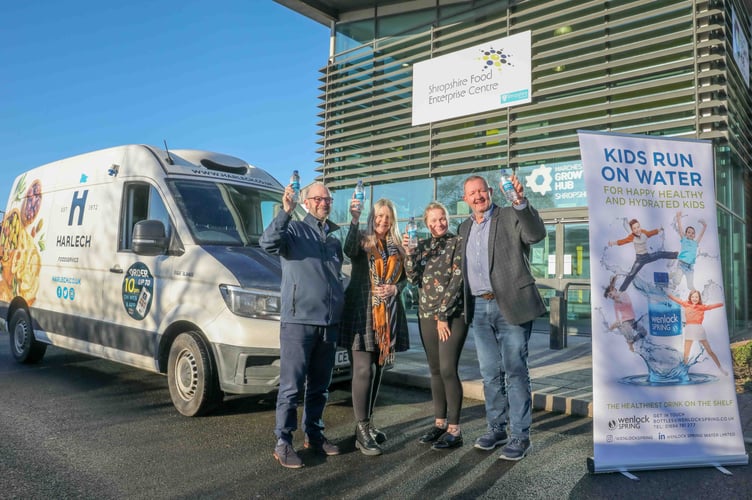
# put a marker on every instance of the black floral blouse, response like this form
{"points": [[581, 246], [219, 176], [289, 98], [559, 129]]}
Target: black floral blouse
{"points": [[436, 267]]}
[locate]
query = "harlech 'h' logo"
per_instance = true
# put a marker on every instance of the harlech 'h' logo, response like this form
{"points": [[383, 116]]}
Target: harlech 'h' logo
{"points": [[494, 58], [78, 203]]}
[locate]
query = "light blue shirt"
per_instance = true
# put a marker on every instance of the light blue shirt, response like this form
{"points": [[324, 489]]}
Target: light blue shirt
{"points": [[476, 255]]}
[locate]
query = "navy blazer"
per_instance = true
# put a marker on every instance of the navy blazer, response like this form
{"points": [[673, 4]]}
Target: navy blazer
{"points": [[511, 233]]}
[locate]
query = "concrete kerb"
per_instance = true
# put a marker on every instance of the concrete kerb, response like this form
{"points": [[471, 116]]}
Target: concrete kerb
{"points": [[561, 379]]}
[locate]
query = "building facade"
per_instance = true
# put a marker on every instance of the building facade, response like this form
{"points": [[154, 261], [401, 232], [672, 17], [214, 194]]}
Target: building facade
{"points": [[675, 68]]}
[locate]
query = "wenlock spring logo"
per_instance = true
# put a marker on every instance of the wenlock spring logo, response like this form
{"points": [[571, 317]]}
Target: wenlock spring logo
{"points": [[633, 422]]}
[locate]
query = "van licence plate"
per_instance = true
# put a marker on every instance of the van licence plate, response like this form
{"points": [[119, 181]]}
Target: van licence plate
{"points": [[342, 358]]}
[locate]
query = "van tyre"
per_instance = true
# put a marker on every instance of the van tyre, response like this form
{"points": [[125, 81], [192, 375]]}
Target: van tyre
{"points": [[192, 376], [25, 348]]}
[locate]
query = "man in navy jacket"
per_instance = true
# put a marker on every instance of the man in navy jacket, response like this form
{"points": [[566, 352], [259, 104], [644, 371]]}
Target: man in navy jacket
{"points": [[312, 304], [502, 301]]}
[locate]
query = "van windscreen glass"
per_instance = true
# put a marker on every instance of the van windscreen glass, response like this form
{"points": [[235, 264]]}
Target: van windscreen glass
{"points": [[225, 214]]}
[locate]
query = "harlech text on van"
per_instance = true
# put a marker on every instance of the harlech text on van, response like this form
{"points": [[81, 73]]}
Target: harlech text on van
{"points": [[74, 241]]}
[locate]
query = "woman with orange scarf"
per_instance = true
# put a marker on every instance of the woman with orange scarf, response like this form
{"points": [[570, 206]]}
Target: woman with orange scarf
{"points": [[374, 325]]}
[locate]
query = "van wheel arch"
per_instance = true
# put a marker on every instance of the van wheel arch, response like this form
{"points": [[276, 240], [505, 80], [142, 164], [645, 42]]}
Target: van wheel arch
{"points": [[24, 347], [192, 375]]}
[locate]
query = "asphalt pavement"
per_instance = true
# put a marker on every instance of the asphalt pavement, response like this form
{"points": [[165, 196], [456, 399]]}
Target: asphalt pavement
{"points": [[561, 379]]}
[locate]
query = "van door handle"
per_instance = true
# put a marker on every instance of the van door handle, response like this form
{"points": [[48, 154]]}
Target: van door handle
{"points": [[116, 269]]}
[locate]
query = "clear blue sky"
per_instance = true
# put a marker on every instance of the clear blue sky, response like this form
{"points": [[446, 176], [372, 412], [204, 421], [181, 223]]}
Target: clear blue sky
{"points": [[234, 76]]}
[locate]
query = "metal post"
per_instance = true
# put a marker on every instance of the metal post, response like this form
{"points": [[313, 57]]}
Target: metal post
{"points": [[558, 321]]}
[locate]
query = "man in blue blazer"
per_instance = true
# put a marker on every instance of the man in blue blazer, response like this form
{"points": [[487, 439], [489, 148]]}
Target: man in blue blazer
{"points": [[501, 301]]}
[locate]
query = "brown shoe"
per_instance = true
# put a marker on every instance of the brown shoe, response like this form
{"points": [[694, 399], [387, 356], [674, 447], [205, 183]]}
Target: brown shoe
{"points": [[285, 454], [322, 445]]}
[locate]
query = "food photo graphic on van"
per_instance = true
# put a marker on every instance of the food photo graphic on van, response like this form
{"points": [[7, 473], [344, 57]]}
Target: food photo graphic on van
{"points": [[149, 258], [20, 243]]}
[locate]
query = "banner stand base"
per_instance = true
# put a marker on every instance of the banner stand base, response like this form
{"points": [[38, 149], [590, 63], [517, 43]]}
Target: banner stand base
{"points": [[658, 465]]}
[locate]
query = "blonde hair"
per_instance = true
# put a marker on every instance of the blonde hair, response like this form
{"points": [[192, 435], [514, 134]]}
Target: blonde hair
{"points": [[369, 236], [434, 205]]}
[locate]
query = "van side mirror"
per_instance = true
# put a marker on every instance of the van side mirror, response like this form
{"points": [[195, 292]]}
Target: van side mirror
{"points": [[149, 237]]}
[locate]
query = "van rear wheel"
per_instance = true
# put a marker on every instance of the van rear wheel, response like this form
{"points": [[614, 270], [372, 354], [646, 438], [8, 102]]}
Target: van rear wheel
{"points": [[25, 348], [192, 377]]}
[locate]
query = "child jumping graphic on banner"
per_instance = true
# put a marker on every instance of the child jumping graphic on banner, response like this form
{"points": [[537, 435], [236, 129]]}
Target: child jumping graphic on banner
{"points": [[639, 237], [694, 314], [626, 322], [687, 252]]}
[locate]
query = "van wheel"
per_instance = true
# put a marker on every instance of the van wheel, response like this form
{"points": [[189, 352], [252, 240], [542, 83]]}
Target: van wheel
{"points": [[193, 382], [25, 348]]}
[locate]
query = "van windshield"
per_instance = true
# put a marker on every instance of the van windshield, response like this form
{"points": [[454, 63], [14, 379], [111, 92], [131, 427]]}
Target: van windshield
{"points": [[225, 214]]}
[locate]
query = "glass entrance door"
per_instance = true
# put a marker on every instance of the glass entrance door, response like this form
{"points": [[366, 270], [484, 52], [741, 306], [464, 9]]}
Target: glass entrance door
{"points": [[561, 266]]}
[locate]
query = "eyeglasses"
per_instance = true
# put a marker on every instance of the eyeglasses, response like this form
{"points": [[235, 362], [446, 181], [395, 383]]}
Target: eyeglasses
{"points": [[321, 199]]}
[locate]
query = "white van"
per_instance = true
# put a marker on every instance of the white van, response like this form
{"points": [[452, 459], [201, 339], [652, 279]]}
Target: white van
{"points": [[149, 258]]}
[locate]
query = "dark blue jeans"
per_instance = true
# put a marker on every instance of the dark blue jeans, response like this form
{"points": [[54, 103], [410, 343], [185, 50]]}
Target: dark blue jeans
{"points": [[306, 359], [502, 356]]}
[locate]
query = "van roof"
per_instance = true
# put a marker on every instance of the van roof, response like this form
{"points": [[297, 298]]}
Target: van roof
{"points": [[140, 159], [216, 166]]}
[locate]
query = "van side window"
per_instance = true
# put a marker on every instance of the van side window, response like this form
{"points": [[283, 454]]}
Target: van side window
{"points": [[141, 202]]}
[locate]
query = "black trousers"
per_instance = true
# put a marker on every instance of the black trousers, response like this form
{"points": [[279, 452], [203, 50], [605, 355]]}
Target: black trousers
{"points": [[443, 358]]}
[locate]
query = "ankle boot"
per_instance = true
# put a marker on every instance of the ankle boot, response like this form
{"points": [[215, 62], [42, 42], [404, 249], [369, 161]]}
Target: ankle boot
{"points": [[364, 441], [378, 435]]}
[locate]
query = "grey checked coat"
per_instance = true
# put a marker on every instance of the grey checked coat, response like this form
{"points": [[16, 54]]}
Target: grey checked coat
{"points": [[511, 233]]}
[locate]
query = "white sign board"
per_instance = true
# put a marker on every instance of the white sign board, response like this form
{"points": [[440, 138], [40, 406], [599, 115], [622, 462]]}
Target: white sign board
{"points": [[492, 75]]}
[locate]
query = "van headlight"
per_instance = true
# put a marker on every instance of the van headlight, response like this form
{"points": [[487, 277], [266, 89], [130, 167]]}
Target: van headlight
{"points": [[251, 303]]}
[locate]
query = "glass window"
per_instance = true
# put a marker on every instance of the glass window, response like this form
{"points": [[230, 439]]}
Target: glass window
{"points": [[141, 202], [554, 185], [449, 191], [541, 254], [238, 214], [576, 251], [340, 213], [353, 34], [734, 271], [579, 312], [409, 197], [404, 23]]}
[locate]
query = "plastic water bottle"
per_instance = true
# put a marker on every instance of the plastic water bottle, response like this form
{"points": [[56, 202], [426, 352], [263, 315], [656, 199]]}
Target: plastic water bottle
{"points": [[412, 233], [507, 187], [665, 318], [295, 183], [360, 194]]}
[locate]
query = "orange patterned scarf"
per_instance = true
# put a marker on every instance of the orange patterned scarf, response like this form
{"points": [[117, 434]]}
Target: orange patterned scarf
{"points": [[385, 267]]}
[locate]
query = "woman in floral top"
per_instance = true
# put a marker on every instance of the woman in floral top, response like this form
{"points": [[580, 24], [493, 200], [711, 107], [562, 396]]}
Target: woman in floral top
{"points": [[436, 267]]}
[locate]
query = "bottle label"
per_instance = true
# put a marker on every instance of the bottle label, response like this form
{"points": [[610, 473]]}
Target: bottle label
{"points": [[665, 319]]}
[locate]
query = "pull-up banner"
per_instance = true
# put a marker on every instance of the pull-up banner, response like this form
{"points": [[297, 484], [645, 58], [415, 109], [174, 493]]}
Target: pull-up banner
{"points": [[663, 384]]}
